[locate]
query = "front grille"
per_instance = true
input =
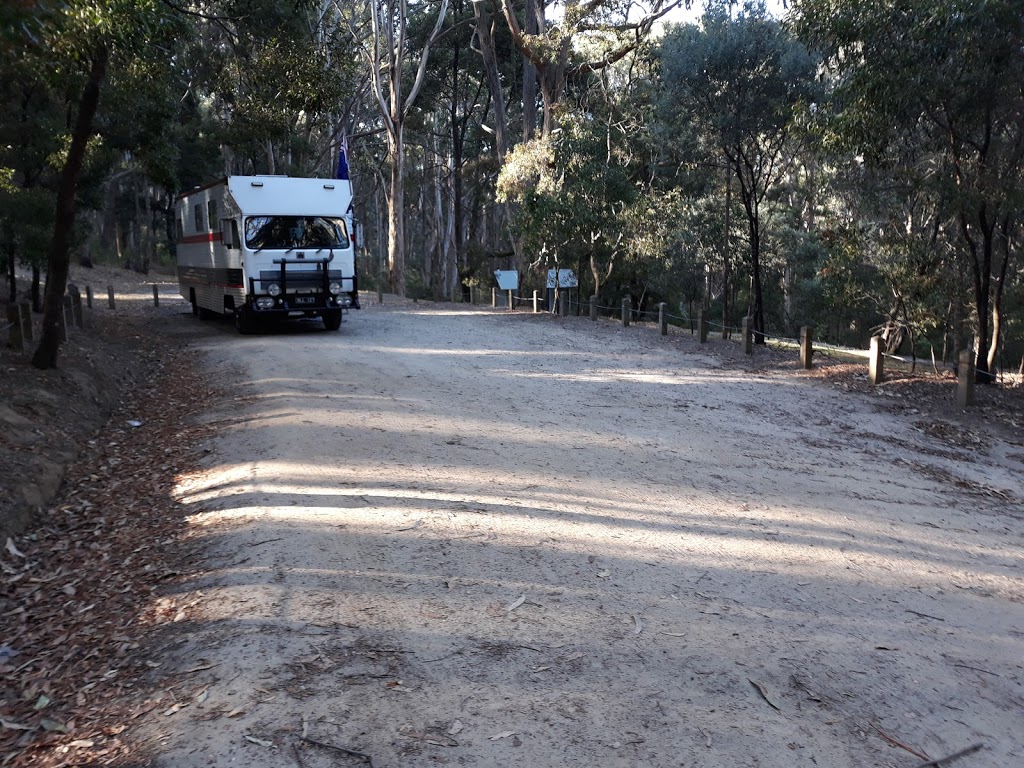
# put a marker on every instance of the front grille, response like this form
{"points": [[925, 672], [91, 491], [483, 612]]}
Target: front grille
{"points": [[297, 281]]}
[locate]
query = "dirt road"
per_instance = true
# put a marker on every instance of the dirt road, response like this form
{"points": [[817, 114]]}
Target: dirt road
{"points": [[461, 537]]}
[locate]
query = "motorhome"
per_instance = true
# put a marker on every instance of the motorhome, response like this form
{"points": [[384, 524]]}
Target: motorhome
{"points": [[266, 248]]}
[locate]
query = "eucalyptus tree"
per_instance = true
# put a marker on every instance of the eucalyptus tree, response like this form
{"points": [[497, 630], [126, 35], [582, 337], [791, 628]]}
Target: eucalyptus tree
{"points": [[585, 37], [380, 32], [739, 79], [84, 39], [584, 192], [934, 91], [32, 122], [273, 76]]}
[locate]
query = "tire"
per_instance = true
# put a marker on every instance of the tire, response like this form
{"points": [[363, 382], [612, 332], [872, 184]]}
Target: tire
{"points": [[245, 323], [332, 319]]}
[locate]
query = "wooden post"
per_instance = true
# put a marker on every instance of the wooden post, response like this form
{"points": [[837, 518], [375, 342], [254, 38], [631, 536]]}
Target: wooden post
{"points": [[593, 307], [65, 317], [76, 305], [88, 296], [14, 337], [876, 362], [156, 295], [748, 336], [663, 318], [806, 347], [494, 298], [26, 321], [563, 303], [511, 304], [380, 294], [965, 375], [702, 326], [110, 296], [536, 302], [627, 308]]}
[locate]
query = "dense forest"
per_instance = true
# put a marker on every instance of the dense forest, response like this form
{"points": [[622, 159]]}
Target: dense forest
{"points": [[850, 165]]}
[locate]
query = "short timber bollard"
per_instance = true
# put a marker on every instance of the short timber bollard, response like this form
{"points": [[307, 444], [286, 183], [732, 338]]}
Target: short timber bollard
{"points": [[702, 326], [663, 318], [511, 303], [627, 309], [14, 337], [748, 337], [807, 347], [380, 294], [494, 298], [110, 296], [536, 302], [76, 305], [65, 318], [26, 321], [965, 375], [156, 295], [563, 303], [88, 296], [876, 362], [593, 307]]}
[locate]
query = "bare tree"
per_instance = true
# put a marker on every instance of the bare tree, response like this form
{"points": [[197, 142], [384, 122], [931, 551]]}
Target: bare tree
{"points": [[385, 49]]}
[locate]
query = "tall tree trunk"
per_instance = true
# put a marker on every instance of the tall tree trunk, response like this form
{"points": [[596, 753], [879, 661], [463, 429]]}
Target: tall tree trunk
{"points": [[396, 211], [57, 262], [726, 255], [37, 304], [760, 336], [981, 263], [534, 12], [12, 263], [271, 162], [997, 299]]}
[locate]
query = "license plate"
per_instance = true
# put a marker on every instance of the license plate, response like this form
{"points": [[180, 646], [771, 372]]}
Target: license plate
{"points": [[305, 299]]}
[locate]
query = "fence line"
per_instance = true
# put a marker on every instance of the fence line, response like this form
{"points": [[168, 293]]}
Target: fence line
{"points": [[806, 345], [20, 328]]}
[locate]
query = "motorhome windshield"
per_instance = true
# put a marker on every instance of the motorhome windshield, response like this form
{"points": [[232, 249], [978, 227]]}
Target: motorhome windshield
{"points": [[263, 232]]}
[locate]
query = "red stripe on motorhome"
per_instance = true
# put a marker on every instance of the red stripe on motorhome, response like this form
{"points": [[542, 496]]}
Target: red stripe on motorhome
{"points": [[209, 237]]}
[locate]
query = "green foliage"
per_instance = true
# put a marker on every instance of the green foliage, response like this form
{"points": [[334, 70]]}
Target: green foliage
{"points": [[575, 197]]}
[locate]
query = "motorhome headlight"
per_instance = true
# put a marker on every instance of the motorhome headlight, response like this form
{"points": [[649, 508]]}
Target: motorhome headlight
{"points": [[264, 303], [334, 288], [274, 289]]}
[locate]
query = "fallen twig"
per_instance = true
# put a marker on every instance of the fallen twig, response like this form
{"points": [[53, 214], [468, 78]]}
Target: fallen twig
{"points": [[412, 527], [898, 743], [297, 755], [937, 762], [925, 615], [265, 541], [976, 669], [335, 747]]}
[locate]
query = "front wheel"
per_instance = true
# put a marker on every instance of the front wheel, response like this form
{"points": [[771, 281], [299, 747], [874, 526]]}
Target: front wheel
{"points": [[332, 319], [245, 323]]}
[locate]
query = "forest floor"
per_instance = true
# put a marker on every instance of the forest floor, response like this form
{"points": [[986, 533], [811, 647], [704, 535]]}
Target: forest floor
{"points": [[448, 535]]}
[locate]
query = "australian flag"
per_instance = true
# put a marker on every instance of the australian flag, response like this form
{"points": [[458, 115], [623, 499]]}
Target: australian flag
{"points": [[343, 161]]}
